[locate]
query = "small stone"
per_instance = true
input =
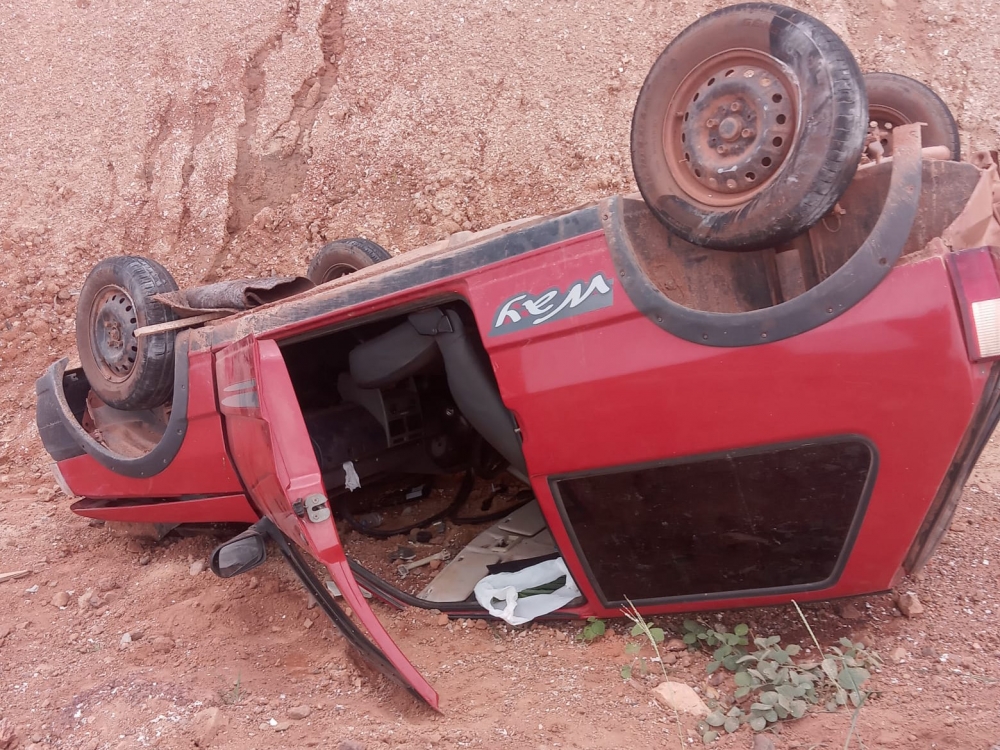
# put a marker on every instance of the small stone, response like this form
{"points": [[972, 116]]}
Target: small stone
{"points": [[350, 745], [849, 611], [253, 582], [106, 584], [481, 624], [680, 697], [125, 641], [307, 623], [282, 726], [145, 559], [162, 645], [299, 712], [434, 564], [898, 655], [442, 619], [889, 4], [31, 589], [208, 722], [134, 547], [61, 599], [762, 742], [909, 604], [675, 644], [950, 721], [88, 599], [196, 567], [311, 602]]}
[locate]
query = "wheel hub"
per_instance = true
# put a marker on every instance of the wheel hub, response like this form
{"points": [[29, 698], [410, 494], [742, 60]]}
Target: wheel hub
{"points": [[736, 118], [113, 333]]}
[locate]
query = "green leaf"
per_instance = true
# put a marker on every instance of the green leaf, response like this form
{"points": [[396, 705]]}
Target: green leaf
{"points": [[830, 668], [657, 634], [780, 656], [774, 640], [831, 706], [743, 679], [760, 707], [730, 663], [742, 691], [741, 629], [721, 652], [793, 649], [852, 678], [715, 719], [769, 698], [846, 643], [693, 626], [710, 736], [781, 712], [712, 666], [689, 638], [855, 698], [626, 671], [732, 724], [841, 697], [633, 648], [758, 723], [799, 709], [735, 712], [637, 629], [771, 715]]}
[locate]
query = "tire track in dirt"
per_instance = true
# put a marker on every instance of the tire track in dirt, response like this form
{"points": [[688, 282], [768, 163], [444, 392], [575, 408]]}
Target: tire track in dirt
{"points": [[271, 176]]}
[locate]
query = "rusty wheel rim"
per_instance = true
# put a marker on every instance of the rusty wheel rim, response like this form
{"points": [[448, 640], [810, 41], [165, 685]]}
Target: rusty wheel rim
{"points": [[730, 126], [882, 120], [113, 321]]}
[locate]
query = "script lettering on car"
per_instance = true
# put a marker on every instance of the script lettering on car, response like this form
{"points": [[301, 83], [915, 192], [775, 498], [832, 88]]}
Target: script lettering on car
{"points": [[526, 309]]}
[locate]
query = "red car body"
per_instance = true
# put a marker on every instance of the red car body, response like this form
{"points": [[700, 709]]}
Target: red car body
{"points": [[887, 400]]}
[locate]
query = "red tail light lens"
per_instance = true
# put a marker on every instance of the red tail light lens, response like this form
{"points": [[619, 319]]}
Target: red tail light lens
{"points": [[974, 276]]}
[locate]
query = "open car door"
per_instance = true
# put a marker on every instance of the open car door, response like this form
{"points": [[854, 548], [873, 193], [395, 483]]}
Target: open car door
{"points": [[270, 447]]}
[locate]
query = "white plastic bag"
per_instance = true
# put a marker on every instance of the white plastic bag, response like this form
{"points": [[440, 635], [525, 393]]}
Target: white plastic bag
{"points": [[505, 587]]}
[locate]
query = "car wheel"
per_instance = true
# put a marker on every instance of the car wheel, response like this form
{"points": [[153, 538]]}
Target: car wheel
{"points": [[126, 372], [895, 100], [749, 127], [342, 257]]}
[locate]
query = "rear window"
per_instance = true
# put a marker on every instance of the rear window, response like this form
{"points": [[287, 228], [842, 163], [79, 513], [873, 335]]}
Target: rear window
{"points": [[738, 522]]}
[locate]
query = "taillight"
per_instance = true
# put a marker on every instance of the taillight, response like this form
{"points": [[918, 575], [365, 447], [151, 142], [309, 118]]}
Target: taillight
{"points": [[974, 276]]}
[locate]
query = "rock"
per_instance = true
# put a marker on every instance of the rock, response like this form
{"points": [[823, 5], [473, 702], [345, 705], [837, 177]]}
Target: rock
{"points": [[7, 736], [849, 611], [481, 624], [125, 641], [311, 602], [61, 599], [910, 605], [307, 623], [898, 655], [762, 742], [299, 712], [196, 567], [680, 697], [350, 745], [442, 619], [253, 582], [134, 547], [434, 564], [675, 644], [207, 723], [106, 584], [145, 559], [89, 599], [282, 726], [162, 645], [889, 4]]}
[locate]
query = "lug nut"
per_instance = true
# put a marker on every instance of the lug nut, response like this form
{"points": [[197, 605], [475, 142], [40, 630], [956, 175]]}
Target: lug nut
{"points": [[731, 184], [735, 106], [711, 123], [747, 133], [721, 149]]}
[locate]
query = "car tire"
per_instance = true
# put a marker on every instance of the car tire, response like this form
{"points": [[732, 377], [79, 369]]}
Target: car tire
{"points": [[896, 100], [126, 372], [728, 96], [341, 257]]}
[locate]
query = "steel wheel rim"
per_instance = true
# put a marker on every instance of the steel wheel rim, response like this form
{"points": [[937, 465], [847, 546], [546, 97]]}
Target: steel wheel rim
{"points": [[730, 126], [113, 321], [338, 270]]}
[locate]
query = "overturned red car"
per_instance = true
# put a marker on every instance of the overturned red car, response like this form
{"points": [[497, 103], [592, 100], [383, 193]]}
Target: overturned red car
{"points": [[765, 377]]}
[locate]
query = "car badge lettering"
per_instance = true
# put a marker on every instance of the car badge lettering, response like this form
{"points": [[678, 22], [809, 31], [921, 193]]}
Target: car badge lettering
{"points": [[525, 310]]}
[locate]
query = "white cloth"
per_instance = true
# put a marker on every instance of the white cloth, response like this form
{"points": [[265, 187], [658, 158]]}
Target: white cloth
{"points": [[506, 586]]}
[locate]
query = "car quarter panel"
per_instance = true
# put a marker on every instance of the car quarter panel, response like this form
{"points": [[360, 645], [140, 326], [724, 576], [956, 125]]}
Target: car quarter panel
{"points": [[613, 389]]}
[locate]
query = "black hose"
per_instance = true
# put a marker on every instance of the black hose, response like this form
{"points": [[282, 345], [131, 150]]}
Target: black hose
{"points": [[526, 496]]}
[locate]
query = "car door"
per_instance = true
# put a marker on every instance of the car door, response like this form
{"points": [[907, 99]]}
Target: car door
{"points": [[270, 447]]}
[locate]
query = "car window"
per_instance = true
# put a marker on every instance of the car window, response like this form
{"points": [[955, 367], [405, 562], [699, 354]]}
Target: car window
{"points": [[761, 519]]}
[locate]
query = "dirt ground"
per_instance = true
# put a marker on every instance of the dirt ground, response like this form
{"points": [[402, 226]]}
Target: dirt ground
{"points": [[230, 137]]}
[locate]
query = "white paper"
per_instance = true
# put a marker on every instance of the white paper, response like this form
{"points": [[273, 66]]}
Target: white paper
{"points": [[351, 479]]}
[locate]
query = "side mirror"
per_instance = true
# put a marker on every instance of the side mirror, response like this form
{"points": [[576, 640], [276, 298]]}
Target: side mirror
{"points": [[240, 554]]}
